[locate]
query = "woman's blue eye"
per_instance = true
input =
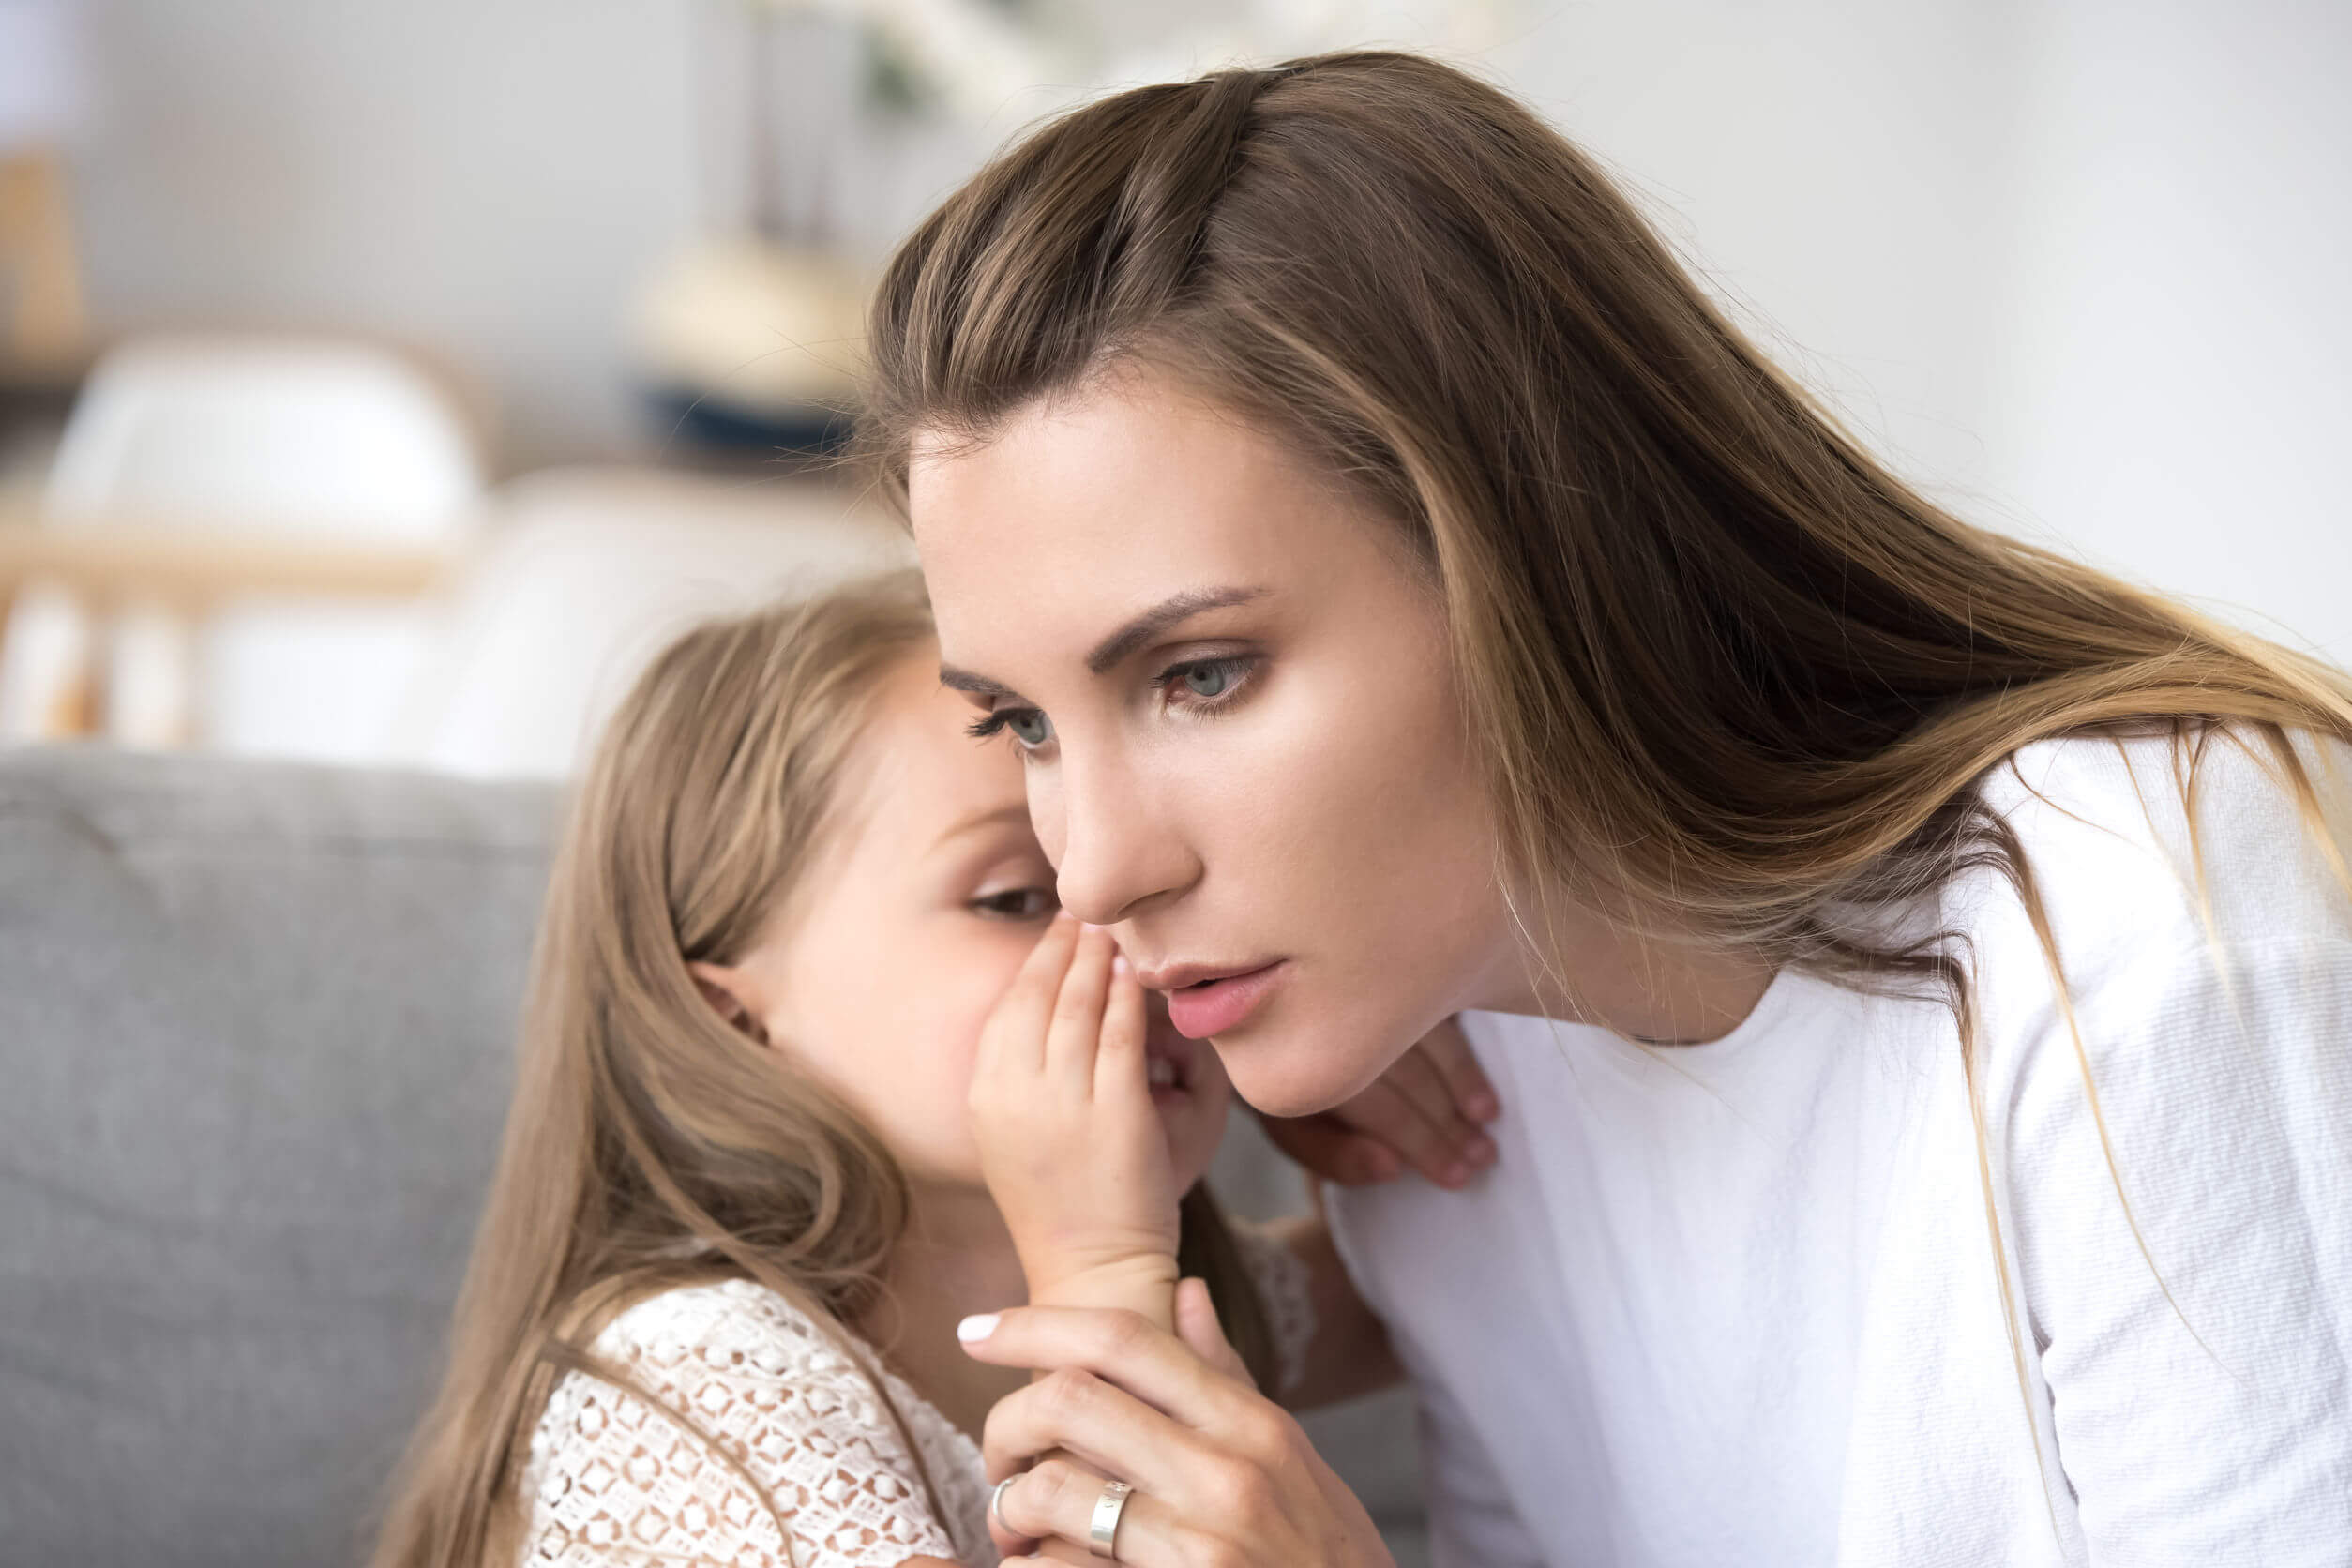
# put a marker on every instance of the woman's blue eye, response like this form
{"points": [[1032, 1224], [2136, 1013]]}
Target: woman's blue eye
{"points": [[1207, 680], [1030, 726], [1205, 685]]}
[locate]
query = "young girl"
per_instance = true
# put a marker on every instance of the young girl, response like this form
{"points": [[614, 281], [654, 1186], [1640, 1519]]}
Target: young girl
{"points": [[740, 1203]]}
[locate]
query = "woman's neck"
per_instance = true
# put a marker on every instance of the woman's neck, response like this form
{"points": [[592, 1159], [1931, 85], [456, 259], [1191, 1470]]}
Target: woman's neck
{"points": [[1662, 992], [955, 1259]]}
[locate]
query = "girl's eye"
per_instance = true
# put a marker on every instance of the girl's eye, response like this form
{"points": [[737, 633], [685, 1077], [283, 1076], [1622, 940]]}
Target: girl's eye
{"points": [[1017, 903]]}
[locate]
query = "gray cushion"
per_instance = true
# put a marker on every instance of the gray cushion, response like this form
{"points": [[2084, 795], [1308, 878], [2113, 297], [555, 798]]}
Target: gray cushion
{"points": [[256, 1026], [254, 1033]]}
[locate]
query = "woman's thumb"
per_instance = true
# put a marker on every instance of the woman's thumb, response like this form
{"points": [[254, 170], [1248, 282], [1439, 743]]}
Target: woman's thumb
{"points": [[1197, 1325]]}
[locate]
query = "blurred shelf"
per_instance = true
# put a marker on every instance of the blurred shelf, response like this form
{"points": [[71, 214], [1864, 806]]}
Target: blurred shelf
{"points": [[192, 566]]}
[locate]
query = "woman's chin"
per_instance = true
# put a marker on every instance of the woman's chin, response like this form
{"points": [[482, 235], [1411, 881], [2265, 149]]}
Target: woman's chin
{"points": [[1299, 1072]]}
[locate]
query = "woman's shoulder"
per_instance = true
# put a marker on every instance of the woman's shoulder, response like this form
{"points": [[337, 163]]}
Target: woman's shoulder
{"points": [[2142, 845], [2189, 975]]}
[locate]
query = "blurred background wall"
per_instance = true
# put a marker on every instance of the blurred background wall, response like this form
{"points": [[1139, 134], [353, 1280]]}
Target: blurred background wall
{"points": [[2075, 264]]}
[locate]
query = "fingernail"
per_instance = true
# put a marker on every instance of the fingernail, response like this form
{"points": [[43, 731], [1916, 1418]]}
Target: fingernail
{"points": [[1482, 1150], [1483, 1106], [1120, 966], [972, 1330], [1455, 1175]]}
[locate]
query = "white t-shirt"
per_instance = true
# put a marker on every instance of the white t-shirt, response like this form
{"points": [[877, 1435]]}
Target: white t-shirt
{"points": [[1736, 1303]]}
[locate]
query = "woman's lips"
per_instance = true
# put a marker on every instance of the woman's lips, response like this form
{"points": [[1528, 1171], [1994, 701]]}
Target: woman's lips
{"points": [[1215, 1007]]}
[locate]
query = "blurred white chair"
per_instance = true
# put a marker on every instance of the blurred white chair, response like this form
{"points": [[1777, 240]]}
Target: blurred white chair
{"points": [[301, 441], [585, 574]]}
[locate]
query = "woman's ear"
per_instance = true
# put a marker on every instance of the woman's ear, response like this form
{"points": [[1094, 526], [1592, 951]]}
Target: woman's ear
{"points": [[732, 995]]}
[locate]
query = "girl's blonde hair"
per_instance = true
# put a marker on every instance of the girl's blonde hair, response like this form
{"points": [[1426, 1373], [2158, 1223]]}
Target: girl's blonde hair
{"points": [[1730, 678], [649, 1144]]}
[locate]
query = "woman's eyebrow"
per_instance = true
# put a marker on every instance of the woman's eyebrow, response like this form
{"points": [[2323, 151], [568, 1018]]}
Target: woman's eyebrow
{"points": [[1138, 630], [979, 686], [1169, 613]]}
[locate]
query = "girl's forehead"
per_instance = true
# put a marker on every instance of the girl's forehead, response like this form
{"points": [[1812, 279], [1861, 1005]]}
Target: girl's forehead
{"points": [[918, 774]]}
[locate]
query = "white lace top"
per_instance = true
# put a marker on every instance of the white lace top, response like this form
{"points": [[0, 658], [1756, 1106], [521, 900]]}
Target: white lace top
{"points": [[622, 1484]]}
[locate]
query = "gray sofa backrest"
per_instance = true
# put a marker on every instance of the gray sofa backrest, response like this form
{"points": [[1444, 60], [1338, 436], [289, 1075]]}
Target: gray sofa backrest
{"points": [[255, 1027]]}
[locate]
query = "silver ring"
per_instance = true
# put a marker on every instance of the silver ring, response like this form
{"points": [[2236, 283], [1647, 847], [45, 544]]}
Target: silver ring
{"points": [[996, 1505], [1102, 1535]]}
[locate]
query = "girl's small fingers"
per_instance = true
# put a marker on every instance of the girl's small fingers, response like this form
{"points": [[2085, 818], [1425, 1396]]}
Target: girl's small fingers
{"points": [[1449, 1050], [1076, 1032], [1016, 1025], [1119, 1063]]}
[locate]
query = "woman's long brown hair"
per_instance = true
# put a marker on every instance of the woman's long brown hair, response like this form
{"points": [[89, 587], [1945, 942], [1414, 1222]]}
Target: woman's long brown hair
{"points": [[1730, 678], [649, 1145]]}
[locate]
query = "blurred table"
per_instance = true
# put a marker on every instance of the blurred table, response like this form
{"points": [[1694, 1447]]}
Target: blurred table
{"points": [[135, 558]]}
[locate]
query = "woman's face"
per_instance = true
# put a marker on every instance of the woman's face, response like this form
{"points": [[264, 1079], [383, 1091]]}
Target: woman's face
{"points": [[1230, 691], [911, 922]]}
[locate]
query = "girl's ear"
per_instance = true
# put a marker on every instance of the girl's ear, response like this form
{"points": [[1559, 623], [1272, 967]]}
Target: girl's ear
{"points": [[731, 993]]}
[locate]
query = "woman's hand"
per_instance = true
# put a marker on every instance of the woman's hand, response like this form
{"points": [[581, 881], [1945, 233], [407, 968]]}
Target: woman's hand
{"points": [[1073, 1152], [1221, 1475], [1424, 1112]]}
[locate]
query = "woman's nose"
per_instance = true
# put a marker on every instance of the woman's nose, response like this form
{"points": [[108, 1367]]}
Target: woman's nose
{"points": [[1117, 850]]}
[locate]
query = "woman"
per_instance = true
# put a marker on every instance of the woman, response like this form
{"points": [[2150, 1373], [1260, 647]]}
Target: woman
{"points": [[1923, 961]]}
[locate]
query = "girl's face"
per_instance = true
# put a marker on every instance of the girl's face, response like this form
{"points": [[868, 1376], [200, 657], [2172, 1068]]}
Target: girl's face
{"points": [[908, 926], [1232, 692]]}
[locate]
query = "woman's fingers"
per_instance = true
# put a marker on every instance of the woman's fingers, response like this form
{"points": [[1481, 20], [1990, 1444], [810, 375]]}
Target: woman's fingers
{"points": [[1076, 1416], [1125, 1353], [1056, 1501]]}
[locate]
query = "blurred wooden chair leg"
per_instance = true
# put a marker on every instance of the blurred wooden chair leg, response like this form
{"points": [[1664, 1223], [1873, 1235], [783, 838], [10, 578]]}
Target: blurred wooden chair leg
{"points": [[48, 678], [150, 676]]}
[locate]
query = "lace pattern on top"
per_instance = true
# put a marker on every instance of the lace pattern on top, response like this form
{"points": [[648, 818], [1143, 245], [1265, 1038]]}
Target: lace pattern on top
{"points": [[1285, 1290], [614, 1480]]}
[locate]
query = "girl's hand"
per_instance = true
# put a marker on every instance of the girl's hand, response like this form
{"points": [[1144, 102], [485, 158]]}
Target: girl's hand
{"points": [[1220, 1474], [1424, 1113], [1070, 1145]]}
